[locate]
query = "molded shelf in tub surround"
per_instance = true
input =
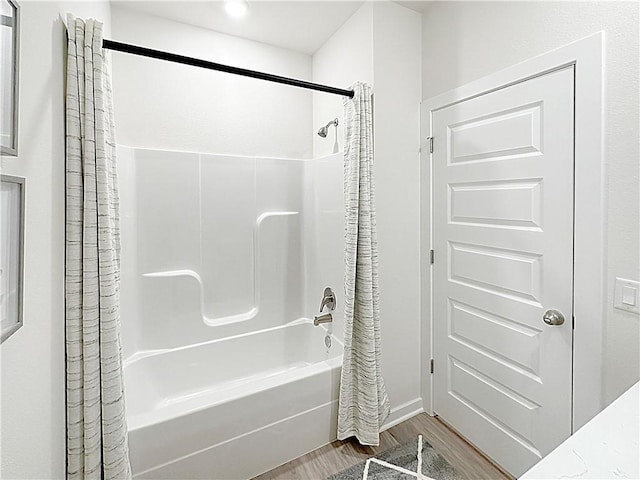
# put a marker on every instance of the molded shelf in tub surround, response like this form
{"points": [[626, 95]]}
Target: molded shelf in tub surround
{"points": [[240, 317]]}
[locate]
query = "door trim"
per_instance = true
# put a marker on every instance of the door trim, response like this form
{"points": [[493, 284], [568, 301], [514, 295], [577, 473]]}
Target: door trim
{"points": [[586, 55]]}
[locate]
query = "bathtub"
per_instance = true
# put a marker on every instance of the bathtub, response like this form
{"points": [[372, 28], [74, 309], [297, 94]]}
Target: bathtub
{"points": [[234, 407]]}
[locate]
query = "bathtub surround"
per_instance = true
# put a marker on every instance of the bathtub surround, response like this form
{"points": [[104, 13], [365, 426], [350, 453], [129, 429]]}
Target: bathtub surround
{"points": [[96, 424], [364, 404], [221, 356]]}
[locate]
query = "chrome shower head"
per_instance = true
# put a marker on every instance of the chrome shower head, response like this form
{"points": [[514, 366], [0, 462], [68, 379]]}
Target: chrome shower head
{"points": [[324, 130]]}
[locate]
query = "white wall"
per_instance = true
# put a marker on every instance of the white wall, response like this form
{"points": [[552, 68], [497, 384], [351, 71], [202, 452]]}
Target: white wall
{"points": [[396, 72], [345, 58], [334, 65], [32, 399], [380, 45], [177, 107], [463, 41]]}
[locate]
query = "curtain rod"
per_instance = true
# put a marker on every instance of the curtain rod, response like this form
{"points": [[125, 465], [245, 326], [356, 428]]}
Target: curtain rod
{"points": [[172, 57]]}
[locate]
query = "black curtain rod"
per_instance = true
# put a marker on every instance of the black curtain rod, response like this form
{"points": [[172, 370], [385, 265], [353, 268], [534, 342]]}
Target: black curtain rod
{"points": [[172, 57]]}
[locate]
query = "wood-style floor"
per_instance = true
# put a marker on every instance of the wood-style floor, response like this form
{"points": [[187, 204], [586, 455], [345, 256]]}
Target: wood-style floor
{"points": [[337, 456]]}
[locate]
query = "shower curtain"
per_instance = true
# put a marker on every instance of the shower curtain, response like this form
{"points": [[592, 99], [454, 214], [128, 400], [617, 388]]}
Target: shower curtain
{"points": [[97, 445], [363, 403]]}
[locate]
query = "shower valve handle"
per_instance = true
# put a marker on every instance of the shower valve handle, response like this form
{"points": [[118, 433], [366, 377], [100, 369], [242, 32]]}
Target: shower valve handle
{"points": [[328, 300]]}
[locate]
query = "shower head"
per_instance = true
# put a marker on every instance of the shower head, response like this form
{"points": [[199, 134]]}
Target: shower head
{"points": [[324, 130]]}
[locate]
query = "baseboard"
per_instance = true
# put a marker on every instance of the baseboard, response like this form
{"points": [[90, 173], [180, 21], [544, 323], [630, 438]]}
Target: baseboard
{"points": [[403, 412]]}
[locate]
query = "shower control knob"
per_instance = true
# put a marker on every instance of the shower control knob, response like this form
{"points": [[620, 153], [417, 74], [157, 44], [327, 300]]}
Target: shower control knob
{"points": [[553, 317], [328, 300]]}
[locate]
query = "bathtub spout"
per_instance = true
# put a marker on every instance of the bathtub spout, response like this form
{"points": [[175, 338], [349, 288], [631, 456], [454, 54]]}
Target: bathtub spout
{"points": [[326, 318]]}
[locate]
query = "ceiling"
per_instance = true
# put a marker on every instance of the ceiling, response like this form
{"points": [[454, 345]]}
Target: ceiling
{"points": [[302, 26]]}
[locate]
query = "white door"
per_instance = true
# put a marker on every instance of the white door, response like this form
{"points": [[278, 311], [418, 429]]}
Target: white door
{"points": [[503, 241]]}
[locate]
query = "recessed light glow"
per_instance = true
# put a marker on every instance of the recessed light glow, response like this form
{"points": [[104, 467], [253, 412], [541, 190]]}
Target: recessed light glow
{"points": [[236, 8]]}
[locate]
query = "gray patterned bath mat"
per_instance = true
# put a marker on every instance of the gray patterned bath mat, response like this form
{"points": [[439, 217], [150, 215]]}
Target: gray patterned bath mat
{"points": [[401, 463]]}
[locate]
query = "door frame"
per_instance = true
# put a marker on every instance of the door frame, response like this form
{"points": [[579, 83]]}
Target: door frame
{"points": [[586, 56]]}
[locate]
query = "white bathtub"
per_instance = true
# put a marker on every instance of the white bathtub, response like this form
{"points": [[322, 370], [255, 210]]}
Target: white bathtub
{"points": [[235, 407]]}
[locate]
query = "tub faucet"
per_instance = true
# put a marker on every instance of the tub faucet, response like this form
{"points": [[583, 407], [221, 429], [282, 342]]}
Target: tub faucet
{"points": [[328, 300], [326, 318]]}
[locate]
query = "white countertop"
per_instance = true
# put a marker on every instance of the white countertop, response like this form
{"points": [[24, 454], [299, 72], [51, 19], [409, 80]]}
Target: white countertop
{"points": [[606, 447]]}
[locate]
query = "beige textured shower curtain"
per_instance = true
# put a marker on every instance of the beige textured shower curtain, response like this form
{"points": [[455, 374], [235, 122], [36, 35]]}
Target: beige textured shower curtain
{"points": [[97, 445], [363, 404]]}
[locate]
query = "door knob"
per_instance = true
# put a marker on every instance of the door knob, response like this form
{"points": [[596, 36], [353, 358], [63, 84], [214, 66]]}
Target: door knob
{"points": [[553, 317]]}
